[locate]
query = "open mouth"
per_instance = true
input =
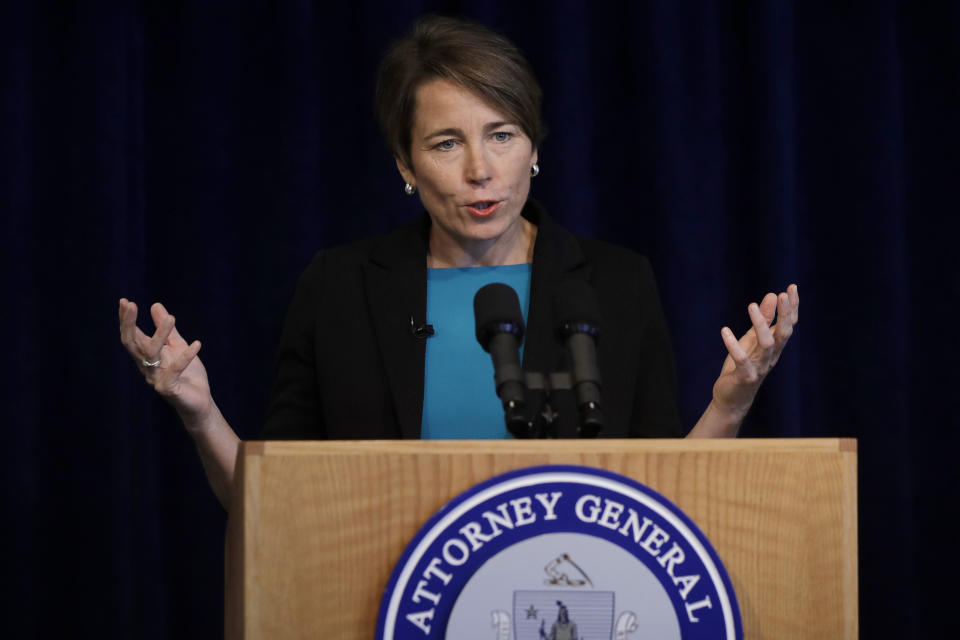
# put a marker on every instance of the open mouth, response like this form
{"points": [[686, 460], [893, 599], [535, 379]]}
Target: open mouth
{"points": [[483, 208]]}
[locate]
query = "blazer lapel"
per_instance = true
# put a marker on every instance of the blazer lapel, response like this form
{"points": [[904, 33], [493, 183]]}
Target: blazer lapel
{"points": [[396, 278], [557, 256]]}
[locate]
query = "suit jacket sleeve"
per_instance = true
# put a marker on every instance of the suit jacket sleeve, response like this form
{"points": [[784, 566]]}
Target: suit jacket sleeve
{"points": [[294, 411], [655, 403]]}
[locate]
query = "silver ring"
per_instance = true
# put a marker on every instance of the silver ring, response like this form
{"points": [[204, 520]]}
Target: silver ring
{"points": [[151, 364]]}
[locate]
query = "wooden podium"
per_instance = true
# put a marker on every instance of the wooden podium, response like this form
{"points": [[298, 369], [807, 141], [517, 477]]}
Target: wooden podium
{"points": [[317, 527]]}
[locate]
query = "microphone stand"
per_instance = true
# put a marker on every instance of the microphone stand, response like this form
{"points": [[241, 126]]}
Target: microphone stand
{"points": [[551, 410]]}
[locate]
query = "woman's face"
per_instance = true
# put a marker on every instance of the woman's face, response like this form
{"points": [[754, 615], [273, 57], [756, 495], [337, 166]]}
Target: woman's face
{"points": [[470, 163]]}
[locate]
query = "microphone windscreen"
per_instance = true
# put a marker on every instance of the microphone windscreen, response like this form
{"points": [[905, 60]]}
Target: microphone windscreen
{"points": [[576, 302], [496, 309]]}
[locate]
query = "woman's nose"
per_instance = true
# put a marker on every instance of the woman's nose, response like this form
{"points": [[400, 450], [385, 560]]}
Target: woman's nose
{"points": [[477, 170]]}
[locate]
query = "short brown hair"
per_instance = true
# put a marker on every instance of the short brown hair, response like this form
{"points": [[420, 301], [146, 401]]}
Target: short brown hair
{"points": [[464, 52]]}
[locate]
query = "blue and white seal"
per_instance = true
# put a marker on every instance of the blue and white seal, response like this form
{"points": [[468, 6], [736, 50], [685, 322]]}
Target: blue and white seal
{"points": [[559, 553]]}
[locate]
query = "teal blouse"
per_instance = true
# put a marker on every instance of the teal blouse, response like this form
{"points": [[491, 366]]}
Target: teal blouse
{"points": [[459, 398]]}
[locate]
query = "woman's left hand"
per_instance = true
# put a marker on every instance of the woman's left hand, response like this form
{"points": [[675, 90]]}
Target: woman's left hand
{"points": [[751, 358]]}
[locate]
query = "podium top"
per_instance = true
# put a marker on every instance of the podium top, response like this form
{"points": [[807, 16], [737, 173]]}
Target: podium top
{"points": [[598, 445]]}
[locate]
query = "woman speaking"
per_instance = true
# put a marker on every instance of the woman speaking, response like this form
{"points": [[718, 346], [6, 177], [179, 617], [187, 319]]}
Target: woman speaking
{"points": [[460, 109]]}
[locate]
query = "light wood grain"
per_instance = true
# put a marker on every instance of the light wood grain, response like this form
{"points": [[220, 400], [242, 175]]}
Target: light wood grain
{"points": [[318, 526]]}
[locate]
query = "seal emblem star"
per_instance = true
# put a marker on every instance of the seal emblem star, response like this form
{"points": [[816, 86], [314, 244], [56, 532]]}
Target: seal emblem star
{"points": [[531, 613]]}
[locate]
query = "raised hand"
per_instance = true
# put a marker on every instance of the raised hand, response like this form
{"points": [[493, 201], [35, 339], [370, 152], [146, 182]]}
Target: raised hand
{"points": [[168, 363], [751, 358]]}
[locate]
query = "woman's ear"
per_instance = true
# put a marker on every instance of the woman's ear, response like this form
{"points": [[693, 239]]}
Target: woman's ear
{"points": [[405, 171]]}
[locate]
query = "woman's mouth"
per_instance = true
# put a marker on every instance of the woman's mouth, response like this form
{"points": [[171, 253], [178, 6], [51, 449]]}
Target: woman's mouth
{"points": [[483, 208]]}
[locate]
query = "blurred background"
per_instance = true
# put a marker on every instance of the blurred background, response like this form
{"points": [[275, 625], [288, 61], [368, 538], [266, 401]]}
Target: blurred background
{"points": [[199, 153]]}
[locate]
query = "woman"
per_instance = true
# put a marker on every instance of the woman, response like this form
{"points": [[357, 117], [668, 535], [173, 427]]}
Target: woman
{"points": [[460, 109]]}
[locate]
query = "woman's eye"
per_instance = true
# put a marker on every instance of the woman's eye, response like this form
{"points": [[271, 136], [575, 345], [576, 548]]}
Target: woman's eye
{"points": [[447, 145], [502, 136]]}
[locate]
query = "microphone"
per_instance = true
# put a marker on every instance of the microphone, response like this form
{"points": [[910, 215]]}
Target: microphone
{"points": [[575, 303], [499, 327], [422, 331]]}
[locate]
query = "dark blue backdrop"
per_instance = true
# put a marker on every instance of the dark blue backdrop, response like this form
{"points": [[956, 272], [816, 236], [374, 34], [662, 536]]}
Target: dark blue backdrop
{"points": [[199, 153]]}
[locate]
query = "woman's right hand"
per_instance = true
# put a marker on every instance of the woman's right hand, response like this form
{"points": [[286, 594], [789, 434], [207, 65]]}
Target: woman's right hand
{"points": [[178, 374]]}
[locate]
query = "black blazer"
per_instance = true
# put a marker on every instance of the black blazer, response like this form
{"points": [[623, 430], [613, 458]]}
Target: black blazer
{"points": [[349, 367]]}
